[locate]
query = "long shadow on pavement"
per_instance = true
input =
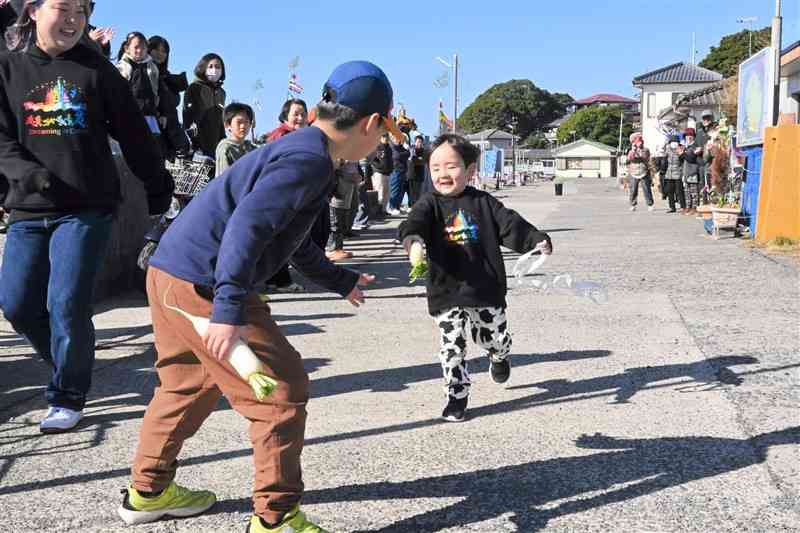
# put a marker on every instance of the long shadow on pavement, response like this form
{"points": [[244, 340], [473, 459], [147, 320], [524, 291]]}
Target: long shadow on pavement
{"points": [[702, 370], [398, 379], [645, 466]]}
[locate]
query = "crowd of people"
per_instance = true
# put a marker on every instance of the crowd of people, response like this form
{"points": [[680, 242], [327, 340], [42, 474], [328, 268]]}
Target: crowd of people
{"points": [[683, 167], [296, 199]]}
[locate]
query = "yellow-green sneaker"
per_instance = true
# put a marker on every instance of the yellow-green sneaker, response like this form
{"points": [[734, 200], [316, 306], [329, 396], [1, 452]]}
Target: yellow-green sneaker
{"points": [[294, 522], [174, 502]]}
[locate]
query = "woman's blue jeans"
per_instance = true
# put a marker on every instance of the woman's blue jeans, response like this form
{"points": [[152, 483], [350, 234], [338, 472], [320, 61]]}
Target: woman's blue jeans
{"points": [[397, 188], [46, 291]]}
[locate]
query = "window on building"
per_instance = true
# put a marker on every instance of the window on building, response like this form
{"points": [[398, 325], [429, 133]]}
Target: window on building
{"points": [[651, 105], [582, 164]]}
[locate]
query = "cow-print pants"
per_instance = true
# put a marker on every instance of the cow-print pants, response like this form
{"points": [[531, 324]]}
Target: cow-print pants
{"points": [[489, 329]]}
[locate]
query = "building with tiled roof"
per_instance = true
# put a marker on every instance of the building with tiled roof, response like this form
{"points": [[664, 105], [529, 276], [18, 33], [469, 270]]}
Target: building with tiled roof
{"points": [[662, 88], [606, 99], [678, 73]]}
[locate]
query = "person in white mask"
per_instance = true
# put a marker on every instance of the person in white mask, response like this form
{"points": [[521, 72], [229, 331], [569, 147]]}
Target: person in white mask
{"points": [[673, 179], [204, 103]]}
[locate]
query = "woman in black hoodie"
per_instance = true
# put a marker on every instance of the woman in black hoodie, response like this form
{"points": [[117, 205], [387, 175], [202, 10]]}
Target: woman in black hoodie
{"points": [[59, 103], [204, 103], [172, 85]]}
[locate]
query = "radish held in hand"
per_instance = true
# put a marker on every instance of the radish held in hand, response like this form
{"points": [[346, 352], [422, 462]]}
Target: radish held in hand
{"points": [[241, 358], [416, 256]]}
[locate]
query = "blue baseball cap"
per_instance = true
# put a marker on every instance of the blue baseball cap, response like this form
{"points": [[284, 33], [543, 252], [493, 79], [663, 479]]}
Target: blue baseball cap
{"points": [[363, 87]]}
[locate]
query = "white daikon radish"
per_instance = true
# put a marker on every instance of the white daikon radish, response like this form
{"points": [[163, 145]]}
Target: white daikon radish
{"points": [[240, 356], [416, 256]]}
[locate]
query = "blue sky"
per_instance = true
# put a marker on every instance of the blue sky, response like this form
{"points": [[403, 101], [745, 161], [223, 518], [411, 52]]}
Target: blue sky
{"points": [[580, 47]]}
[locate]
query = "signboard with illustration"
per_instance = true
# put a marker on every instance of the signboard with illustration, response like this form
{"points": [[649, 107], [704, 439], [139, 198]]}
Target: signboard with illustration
{"points": [[492, 162], [755, 104]]}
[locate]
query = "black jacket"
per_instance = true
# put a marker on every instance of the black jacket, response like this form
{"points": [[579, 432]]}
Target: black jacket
{"points": [[142, 86], [416, 169], [203, 105], [7, 18], [463, 235], [56, 115], [400, 155], [382, 160], [171, 87]]}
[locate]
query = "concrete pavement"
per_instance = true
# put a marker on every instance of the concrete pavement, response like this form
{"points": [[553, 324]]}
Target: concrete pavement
{"points": [[673, 407]]}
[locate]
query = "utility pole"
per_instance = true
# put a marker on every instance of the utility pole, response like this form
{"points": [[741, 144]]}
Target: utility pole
{"points": [[694, 48], [455, 91], [749, 21], [777, 23], [621, 118], [514, 148]]}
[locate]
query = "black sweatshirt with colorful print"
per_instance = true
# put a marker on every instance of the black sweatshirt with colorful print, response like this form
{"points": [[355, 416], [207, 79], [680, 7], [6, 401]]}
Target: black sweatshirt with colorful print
{"points": [[463, 235], [56, 116]]}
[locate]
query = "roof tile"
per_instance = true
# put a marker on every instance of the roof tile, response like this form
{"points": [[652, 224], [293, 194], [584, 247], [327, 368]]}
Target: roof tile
{"points": [[678, 73]]}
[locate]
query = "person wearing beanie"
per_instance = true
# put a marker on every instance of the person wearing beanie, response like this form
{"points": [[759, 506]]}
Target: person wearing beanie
{"points": [[639, 172], [705, 131]]}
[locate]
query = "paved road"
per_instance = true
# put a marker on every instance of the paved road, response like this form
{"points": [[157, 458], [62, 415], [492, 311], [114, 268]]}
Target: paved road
{"points": [[673, 407]]}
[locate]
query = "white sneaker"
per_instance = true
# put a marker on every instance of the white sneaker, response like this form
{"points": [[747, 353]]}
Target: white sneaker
{"points": [[393, 212], [651, 208], [59, 420], [633, 208]]}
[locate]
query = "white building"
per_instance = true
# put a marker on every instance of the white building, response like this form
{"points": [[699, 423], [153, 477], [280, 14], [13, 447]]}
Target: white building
{"points": [[551, 130], [493, 139], [790, 84], [664, 87], [586, 159]]}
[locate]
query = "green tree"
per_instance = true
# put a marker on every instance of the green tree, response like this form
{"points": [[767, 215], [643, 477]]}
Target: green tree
{"points": [[595, 123], [532, 107], [733, 49]]}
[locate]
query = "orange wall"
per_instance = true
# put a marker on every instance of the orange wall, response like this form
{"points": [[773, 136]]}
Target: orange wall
{"points": [[779, 193]]}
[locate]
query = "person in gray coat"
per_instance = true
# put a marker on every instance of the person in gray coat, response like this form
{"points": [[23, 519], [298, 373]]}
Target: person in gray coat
{"points": [[692, 169], [347, 180], [673, 178]]}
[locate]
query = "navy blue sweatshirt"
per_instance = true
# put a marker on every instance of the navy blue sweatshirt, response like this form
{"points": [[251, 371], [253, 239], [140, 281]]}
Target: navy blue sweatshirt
{"points": [[254, 219]]}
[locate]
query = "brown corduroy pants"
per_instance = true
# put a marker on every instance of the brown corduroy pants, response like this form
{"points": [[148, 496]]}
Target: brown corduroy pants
{"points": [[192, 381]]}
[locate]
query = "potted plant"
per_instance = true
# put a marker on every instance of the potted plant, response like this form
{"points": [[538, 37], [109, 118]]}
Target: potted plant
{"points": [[725, 213]]}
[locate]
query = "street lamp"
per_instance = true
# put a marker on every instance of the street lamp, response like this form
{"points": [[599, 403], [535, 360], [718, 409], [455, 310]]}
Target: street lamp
{"points": [[454, 66], [513, 127], [749, 21]]}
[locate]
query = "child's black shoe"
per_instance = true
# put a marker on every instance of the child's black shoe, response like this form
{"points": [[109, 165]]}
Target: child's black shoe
{"points": [[500, 370], [455, 409]]}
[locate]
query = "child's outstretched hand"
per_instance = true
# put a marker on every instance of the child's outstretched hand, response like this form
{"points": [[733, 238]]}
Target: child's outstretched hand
{"points": [[544, 247], [356, 297]]}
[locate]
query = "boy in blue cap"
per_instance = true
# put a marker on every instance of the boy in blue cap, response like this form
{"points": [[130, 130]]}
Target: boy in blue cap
{"points": [[242, 229]]}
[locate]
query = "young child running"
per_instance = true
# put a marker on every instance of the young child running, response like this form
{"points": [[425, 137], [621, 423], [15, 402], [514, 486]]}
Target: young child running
{"points": [[239, 119], [243, 228], [462, 229]]}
